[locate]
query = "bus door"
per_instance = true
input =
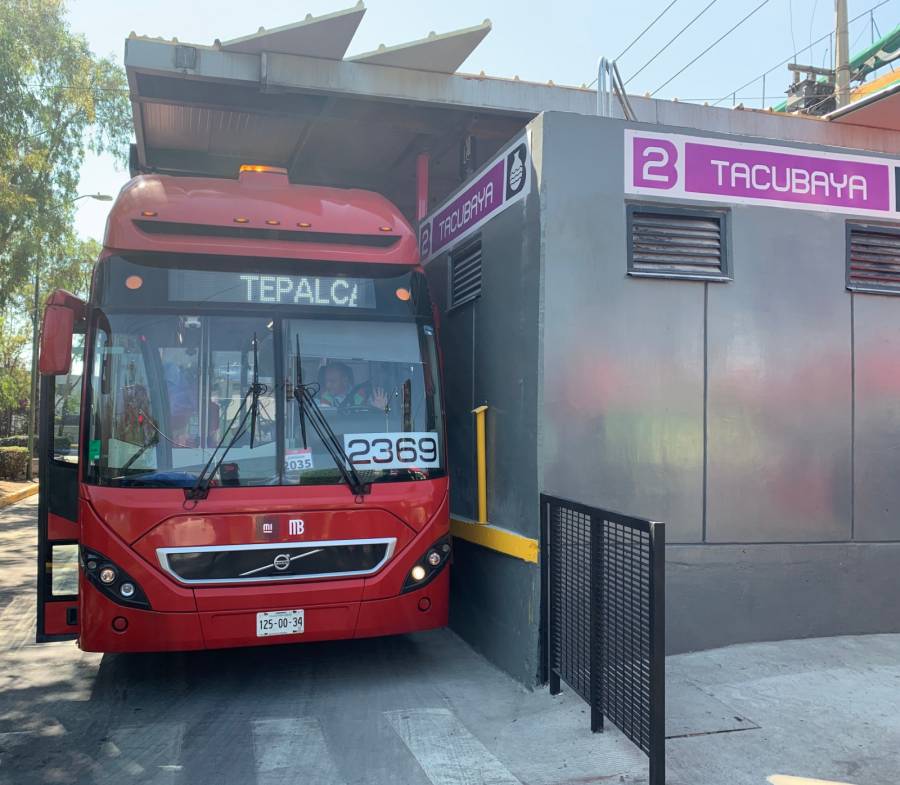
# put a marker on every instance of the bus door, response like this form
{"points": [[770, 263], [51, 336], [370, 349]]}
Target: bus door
{"points": [[59, 410]]}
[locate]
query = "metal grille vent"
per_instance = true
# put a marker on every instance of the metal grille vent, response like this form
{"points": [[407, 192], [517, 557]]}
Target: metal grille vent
{"points": [[873, 259], [677, 244], [465, 275]]}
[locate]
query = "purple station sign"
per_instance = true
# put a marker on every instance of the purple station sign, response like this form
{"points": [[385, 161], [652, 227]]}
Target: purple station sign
{"points": [[505, 180], [734, 172]]}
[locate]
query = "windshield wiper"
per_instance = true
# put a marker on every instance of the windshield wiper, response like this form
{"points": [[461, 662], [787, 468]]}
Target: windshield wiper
{"points": [[308, 407], [148, 443], [200, 489]]}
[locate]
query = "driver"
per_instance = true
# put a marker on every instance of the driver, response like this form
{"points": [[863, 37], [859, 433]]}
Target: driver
{"points": [[338, 387]]}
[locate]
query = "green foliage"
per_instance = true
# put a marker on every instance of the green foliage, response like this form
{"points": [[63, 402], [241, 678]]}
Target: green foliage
{"points": [[13, 461], [59, 442], [15, 387], [57, 101], [14, 441]]}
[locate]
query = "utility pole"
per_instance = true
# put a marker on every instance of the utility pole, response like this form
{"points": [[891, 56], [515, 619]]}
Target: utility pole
{"points": [[841, 54], [33, 406]]}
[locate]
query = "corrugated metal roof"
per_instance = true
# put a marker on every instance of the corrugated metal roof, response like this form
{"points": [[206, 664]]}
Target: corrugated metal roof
{"points": [[442, 54], [325, 36]]}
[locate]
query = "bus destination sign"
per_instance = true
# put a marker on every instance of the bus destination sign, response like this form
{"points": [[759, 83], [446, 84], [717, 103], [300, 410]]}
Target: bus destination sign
{"points": [[259, 289]]}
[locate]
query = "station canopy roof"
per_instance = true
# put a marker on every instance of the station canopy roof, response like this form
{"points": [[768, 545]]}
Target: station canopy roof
{"points": [[875, 108], [288, 97]]}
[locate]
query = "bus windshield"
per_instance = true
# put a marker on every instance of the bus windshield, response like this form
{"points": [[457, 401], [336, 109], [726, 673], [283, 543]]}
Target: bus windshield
{"points": [[170, 391]]}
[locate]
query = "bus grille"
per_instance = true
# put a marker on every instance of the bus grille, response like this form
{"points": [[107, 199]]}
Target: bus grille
{"points": [[265, 562]]}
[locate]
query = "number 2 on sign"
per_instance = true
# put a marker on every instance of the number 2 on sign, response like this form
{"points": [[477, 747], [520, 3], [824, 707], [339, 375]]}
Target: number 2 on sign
{"points": [[659, 163]]}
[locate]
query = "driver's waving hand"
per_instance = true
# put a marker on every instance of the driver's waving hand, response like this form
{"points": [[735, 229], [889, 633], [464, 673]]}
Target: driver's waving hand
{"points": [[338, 387]]}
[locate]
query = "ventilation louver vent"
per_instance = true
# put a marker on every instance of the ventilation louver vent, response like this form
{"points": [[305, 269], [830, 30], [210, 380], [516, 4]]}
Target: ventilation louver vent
{"points": [[465, 275], [873, 259], [665, 243]]}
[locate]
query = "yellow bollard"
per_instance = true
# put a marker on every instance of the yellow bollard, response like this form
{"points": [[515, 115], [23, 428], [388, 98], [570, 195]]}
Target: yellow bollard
{"points": [[480, 450]]}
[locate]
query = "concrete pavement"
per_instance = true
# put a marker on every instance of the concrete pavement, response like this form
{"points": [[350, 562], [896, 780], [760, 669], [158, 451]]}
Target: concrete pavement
{"points": [[420, 709]]}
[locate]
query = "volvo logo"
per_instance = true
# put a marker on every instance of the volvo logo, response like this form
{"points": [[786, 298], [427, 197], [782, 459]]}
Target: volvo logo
{"points": [[281, 562]]}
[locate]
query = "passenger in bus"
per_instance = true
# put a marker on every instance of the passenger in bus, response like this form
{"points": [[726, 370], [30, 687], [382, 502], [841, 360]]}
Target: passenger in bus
{"points": [[337, 385]]}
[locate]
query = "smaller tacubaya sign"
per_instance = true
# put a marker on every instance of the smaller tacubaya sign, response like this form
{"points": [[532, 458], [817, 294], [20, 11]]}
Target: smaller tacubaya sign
{"points": [[505, 180], [721, 170]]}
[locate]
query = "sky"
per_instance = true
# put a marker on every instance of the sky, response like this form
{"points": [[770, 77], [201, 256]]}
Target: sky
{"points": [[560, 41]]}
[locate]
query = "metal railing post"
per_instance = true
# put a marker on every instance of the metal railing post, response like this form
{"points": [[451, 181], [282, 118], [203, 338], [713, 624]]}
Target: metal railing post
{"points": [[604, 102], [548, 574], [481, 459], [596, 631], [657, 752]]}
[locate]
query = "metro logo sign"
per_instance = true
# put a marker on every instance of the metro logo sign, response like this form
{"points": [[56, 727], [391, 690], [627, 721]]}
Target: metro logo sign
{"points": [[734, 172]]}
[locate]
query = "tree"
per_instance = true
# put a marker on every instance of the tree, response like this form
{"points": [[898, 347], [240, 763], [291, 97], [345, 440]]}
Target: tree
{"points": [[57, 101], [14, 377]]}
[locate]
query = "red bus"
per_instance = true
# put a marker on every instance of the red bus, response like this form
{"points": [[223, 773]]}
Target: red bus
{"points": [[260, 454]]}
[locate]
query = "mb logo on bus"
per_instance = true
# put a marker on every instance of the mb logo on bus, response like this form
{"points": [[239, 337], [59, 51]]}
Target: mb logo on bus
{"points": [[295, 527]]}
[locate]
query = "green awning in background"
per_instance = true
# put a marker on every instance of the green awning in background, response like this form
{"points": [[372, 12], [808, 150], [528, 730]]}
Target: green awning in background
{"points": [[876, 56]]}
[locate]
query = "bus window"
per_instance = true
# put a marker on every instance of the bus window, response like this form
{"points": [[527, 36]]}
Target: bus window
{"points": [[67, 406], [167, 389], [63, 565], [375, 387]]}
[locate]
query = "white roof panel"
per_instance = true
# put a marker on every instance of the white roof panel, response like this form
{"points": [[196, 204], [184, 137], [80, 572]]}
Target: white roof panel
{"points": [[326, 36], [443, 54]]}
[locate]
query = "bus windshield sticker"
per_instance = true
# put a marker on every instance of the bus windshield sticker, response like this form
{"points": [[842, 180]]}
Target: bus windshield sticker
{"points": [[298, 460], [303, 290], [403, 450]]}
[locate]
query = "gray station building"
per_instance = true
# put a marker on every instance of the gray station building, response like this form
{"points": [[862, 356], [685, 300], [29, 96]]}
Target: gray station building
{"points": [[689, 316]]}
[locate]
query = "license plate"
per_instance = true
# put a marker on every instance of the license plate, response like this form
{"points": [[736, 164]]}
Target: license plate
{"points": [[279, 623]]}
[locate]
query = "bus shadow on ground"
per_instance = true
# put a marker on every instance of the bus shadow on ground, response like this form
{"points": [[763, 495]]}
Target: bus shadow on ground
{"points": [[266, 669]]}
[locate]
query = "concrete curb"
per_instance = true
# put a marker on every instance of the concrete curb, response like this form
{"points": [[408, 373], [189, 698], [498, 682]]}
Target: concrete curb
{"points": [[17, 496]]}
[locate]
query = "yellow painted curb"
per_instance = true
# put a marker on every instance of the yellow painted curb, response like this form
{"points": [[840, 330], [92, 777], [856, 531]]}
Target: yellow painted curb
{"points": [[17, 496], [497, 539]]}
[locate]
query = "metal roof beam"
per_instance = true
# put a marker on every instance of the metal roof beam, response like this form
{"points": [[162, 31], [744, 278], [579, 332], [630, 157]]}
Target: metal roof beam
{"points": [[276, 72], [151, 55], [346, 78]]}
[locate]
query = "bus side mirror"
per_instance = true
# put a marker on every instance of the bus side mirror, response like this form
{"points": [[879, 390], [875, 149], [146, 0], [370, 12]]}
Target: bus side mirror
{"points": [[56, 340]]}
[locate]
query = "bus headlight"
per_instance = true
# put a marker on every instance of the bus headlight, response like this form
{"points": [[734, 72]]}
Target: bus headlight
{"points": [[111, 580], [427, 568]]}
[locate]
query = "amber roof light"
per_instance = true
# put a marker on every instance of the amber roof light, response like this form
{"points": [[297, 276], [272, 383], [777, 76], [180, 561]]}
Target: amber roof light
{"points": [[260, 168]]}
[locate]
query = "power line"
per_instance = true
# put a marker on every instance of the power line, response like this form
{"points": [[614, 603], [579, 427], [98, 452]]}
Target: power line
{"points": [[641, 35], [791, 17], [673, 40], [794, 55], [719, 39], [812, 19]]}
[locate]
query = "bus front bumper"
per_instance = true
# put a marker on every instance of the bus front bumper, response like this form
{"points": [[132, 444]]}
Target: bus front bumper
{"points": [[109, 627]]}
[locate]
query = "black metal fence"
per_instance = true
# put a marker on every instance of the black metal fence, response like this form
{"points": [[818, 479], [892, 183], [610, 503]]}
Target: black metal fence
{"points": [[604, 575]]}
